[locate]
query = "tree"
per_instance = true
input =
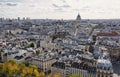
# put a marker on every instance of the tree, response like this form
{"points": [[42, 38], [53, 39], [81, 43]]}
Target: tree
{"points": [[37, 52], [54, 75], [57, 75], [10, 68], [75, 75], [1, 67], [42, 74], [13, 69], [32, 45]]}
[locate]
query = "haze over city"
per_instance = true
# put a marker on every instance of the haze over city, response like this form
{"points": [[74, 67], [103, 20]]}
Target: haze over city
{"points": [[60, 9]]}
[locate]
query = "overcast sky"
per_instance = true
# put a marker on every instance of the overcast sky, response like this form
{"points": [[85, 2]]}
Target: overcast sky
{"points": [[58, 9]]}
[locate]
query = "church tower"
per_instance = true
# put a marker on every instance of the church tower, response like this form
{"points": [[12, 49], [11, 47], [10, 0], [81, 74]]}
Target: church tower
{"points": [[78, 17], [77, 23]]}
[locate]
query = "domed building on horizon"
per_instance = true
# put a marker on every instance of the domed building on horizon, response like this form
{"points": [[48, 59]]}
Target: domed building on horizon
{"points": [[78, 17]]}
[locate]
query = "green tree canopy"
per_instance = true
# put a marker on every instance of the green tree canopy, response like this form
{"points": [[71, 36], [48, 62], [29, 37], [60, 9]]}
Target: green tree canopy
{"points": [[32, 45]]}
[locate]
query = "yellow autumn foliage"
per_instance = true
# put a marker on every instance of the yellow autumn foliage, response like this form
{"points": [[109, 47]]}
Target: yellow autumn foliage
{"points": [[13, 69], [54, 75], [42, 74]]}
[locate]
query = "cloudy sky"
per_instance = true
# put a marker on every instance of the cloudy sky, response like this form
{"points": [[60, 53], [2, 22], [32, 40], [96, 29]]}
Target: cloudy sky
{"points": [[58, 9]]}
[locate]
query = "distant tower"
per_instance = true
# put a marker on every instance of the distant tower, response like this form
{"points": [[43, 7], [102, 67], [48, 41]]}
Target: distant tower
{"points": [[18, 19], [77, 23], [78, 18]]}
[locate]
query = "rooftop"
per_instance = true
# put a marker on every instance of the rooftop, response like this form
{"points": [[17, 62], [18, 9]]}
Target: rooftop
{"points": [[107, 34]]}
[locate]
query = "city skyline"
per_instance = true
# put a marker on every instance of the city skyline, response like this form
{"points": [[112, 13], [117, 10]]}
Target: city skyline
{"points": [[60, 9]]}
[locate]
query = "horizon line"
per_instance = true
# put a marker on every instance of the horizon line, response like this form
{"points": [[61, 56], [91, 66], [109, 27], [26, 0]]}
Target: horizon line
{"points": [[21, 18]]}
